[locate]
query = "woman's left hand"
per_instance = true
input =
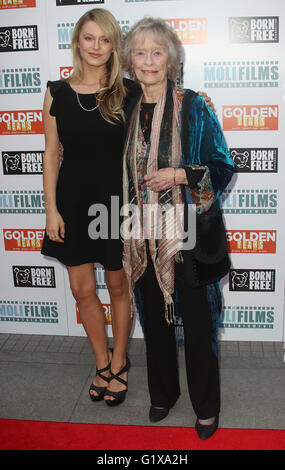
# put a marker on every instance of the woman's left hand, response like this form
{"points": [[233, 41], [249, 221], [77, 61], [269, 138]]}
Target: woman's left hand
{"points": [[160, 179], [207, 99]]}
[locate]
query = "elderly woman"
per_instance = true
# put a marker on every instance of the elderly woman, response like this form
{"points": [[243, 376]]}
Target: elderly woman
{"points": [[175, 154]]}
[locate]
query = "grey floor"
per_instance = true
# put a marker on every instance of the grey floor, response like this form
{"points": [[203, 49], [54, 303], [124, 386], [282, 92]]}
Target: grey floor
{"points": [[47, 378]]}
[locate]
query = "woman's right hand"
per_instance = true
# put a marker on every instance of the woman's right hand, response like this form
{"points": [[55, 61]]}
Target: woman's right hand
{"points": [[55, 229]]}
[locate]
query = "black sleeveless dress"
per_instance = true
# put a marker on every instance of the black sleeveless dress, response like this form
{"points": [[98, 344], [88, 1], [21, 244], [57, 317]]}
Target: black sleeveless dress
{"points": [[89, 186]]}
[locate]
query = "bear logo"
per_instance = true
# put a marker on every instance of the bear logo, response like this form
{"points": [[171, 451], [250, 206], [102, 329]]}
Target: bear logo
{"points": [[22, 276], [5, 38], [239, 29], [11, 162], [239, 279], [240, 159]]}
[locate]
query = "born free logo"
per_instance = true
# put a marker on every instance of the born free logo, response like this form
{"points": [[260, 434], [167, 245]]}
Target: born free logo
{"points": [[19, 38]]}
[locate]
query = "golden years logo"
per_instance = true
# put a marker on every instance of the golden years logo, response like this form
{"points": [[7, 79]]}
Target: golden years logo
{"points": [[252, 241], [107, 312], [250, 117], [6, 4], [21, 122], [23, 239], [65, 72], [190, 30]]}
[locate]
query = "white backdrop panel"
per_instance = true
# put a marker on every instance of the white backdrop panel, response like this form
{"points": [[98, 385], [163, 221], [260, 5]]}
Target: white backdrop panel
{"points": [[244, 75]]}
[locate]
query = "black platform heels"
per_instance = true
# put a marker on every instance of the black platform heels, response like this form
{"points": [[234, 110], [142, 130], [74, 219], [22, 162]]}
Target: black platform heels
{"points": [[100, 390], [120, 396]]}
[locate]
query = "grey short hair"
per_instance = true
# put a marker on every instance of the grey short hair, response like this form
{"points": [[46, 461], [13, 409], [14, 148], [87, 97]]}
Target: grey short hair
{"points": [[164, 34]]}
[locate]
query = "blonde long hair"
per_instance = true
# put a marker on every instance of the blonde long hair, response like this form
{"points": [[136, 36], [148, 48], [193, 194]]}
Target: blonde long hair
{"points": [[110, 98]]}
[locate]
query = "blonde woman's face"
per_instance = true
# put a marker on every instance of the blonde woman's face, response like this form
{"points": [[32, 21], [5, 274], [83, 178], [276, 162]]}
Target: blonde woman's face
{"points": [[95, 48], [150, 61]]}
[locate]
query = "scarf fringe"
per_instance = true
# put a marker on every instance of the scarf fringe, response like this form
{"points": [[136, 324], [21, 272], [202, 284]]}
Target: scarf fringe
{"points": [[178, 257], [170, 313]]}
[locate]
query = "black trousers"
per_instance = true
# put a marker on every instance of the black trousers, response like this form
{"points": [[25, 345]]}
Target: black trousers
{"points": [[162, 363]]}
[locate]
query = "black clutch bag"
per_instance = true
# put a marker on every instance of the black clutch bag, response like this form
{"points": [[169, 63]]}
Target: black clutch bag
{"points": [[208, 261]]}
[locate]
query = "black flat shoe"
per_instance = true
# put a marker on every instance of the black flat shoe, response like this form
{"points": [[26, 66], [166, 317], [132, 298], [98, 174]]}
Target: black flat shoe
{"points": [[120, 396], [157, 414], [206, 430], [100, 390]]}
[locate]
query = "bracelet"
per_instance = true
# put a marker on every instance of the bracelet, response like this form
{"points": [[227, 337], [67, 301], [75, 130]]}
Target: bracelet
{"points": [[174, 181]]}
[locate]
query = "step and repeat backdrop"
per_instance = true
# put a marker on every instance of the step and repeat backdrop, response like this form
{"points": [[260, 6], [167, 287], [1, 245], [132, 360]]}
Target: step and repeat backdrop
{"points": [[232, 50]]}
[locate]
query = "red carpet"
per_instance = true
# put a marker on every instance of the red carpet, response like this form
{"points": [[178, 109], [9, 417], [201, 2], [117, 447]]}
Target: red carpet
{"points": [[41, 435]]}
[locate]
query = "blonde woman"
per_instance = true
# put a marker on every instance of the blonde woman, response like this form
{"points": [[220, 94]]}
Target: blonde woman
{"points": [[85, 114]]}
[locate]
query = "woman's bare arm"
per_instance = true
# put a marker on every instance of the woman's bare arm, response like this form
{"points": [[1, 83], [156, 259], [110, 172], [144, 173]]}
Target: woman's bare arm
{"points": [[54, 222]]}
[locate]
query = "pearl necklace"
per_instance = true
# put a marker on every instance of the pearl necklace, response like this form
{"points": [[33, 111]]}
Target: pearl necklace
{"points": [[82, 107]]}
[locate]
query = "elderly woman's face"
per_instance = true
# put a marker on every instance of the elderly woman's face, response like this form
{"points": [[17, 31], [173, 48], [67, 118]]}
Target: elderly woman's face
{"points": [[149, 61]]}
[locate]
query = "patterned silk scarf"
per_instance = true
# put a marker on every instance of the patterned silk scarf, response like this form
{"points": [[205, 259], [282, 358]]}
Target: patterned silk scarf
{"points": [[158, 224]]}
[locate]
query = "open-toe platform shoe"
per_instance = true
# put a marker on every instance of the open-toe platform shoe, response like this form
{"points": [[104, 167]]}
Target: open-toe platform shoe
{"points": [[100, 390], [118, 397]]}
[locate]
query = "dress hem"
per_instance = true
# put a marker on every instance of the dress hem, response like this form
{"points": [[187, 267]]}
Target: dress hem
{"points": [[79, 263]]}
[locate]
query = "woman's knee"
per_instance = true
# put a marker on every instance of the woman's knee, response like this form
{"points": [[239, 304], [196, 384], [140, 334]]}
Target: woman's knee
{"points": [[82, 281], [82, 291], [117, 284]]}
